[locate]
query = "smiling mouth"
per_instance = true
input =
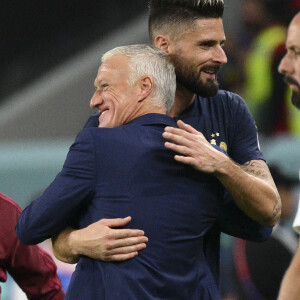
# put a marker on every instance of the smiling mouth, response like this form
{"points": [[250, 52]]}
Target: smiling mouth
{"points": [[211, 71], [291, 81], [103, 112], [210, 74], [101, 117]]}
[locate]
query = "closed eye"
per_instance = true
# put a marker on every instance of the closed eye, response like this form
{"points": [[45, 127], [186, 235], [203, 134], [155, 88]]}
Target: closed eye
{"points": [[104, 85], [294, 50]]}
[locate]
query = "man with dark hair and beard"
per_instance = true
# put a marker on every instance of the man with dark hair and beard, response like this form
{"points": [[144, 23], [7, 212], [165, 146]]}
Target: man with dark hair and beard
{"points": [[290, 68], [192, 33], [290, 64]]}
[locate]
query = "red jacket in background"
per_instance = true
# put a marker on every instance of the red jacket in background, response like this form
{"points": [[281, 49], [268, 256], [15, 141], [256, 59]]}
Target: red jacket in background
{"points": [[30, 266]]}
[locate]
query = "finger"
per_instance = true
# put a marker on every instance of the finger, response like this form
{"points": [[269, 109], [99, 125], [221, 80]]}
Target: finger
{"points": [[184, 129], [187, 127], [181, 136], [177, 148], [126, 242], [127, 249], [174, 130], [120, 257], [119, 234], [118, 222], [178, 139], [186, 160]]}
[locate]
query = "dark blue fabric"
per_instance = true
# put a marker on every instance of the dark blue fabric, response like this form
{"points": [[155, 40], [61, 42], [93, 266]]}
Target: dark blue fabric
{"points": [[228, 115], [123, 171], [225, 114]]}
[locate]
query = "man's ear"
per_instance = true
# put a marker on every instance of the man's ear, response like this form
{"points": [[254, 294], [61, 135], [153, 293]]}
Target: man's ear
{"points": [[163, 43], [146, 86]]}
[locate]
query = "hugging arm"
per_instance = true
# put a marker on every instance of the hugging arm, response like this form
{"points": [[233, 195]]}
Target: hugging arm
{"points": [[100, 240], [63, 200], [251, 184]]}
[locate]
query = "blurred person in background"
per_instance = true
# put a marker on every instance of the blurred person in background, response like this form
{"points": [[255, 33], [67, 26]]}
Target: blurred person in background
{"points": [[265, 23], [258, 269], [30, 266], [290, 69]]}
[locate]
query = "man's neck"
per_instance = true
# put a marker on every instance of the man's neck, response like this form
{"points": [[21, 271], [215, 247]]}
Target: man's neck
{"points": [[147, 108], [183, 99]]}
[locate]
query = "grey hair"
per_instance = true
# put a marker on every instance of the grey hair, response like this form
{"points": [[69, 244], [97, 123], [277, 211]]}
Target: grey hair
{"points": [[148, 60]]}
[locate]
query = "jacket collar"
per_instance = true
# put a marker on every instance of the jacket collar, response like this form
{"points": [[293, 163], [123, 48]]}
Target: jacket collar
{"points": [[153, 119]]}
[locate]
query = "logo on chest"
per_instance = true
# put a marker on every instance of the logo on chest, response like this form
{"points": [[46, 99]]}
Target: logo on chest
{"points": [[216, 141]]}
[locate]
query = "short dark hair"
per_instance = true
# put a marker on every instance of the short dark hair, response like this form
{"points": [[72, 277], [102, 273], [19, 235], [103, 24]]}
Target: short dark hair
{"points": [[166, 14]]}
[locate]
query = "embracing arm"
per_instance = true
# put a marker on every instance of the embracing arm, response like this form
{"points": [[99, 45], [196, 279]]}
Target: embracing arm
{"points": [[233, 221], [251, 185], [253, 189], [63, 200], [100, 241]]}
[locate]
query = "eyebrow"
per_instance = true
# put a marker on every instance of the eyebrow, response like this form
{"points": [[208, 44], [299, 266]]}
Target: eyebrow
{"points": [[294, 48], [97, 82], [211, 42]]}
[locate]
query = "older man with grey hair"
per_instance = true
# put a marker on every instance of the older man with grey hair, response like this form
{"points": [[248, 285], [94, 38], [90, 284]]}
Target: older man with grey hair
{"points": [[125, 169]]}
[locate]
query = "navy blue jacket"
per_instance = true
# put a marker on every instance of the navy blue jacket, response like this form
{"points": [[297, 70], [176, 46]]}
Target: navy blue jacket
{"points": [[123, 171], [225, 121]]}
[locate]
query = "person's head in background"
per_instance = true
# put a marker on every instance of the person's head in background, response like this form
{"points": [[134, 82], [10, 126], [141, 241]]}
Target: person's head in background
{"points": [[192, 33], [133, 81], [290, 64]]}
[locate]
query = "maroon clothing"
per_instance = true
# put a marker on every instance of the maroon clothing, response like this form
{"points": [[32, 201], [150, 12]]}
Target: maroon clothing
{"points": [[30, 266]]}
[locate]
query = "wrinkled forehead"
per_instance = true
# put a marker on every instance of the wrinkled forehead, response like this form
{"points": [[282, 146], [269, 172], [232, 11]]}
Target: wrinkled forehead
{"points": [[116, 65]]}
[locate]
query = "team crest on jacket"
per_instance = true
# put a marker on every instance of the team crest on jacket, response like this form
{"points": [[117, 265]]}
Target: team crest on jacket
{"points": [[214, 141]]}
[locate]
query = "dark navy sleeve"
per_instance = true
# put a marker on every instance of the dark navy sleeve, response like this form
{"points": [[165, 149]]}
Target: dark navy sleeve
{"points": [[235, 222], [93, 121], [244, 144], [62, 201]]}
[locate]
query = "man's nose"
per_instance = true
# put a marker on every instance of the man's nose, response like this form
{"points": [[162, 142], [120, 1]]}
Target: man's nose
{"points": [[220, 55], [96, 100], [283, 67]]}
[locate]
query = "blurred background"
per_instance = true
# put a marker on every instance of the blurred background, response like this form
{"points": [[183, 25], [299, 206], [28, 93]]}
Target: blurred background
{"points": [[50, 52]]}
